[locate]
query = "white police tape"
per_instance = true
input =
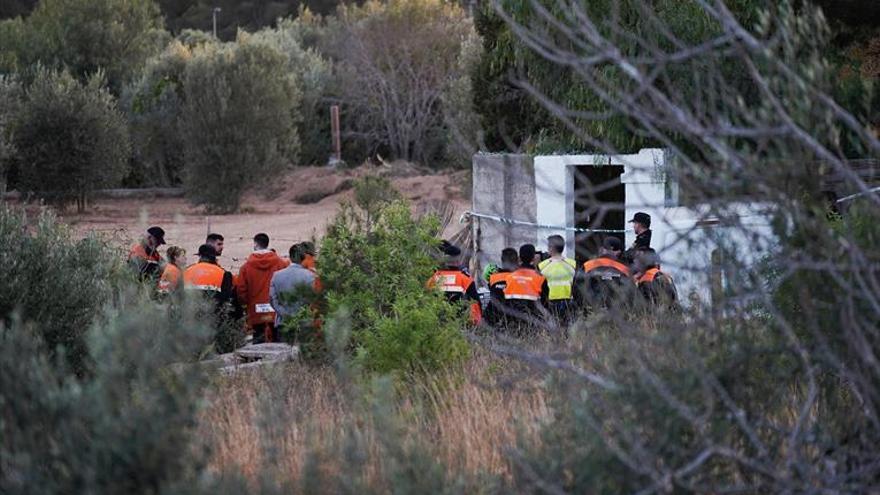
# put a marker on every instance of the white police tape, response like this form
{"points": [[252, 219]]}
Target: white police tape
{"points": [[510, 221], [858, 195]]}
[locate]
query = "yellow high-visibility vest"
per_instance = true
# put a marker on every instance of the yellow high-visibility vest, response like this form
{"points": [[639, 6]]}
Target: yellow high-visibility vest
{"points": [[559, 275]]}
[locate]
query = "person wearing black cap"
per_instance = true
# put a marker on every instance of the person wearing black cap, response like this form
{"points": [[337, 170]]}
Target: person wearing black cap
{"points": [[603, 281], [455, 283], [525, 293], [642, 226], [207, 277], [144, 256], [496, 311]]}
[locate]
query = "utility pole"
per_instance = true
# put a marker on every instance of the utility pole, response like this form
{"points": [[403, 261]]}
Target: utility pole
{"points": [[335, 132], [214, 14]]}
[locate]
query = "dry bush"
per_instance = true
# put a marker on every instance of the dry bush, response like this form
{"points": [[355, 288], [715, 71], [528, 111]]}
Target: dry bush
{"points": [[300, 414]]}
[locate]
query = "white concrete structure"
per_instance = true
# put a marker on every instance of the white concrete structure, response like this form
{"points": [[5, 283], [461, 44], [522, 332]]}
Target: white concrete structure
{"points": [[688, 239], [643, 179]]}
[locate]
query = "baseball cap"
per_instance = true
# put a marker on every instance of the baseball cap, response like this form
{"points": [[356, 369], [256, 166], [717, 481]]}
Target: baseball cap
{"points": [[642, 218], [207, 251], [158, 234], [612, 244], [449, 249]]}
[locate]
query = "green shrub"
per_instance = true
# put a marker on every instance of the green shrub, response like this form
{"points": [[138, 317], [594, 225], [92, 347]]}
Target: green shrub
{"points": [[70, 138], [239, 121], [88, 36], [125, 428], [420, 333], [375, 262], [57, 283]]}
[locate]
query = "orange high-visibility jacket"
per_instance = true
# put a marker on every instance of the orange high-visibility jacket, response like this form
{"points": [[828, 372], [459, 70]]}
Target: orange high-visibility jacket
{"points": [[603, 262], [457, 286], [139, 252], [204, 276], [648, 276], [525, 284], [170, 280]]}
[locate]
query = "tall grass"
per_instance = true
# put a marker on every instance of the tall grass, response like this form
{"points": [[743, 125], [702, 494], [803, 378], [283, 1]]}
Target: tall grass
{"points": [[467, 420]]}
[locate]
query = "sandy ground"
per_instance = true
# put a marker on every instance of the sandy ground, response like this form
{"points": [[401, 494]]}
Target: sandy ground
{"points": [[281, 215]]}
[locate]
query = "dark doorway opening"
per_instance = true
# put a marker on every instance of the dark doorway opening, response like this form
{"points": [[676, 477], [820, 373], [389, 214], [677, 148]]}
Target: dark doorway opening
{"points": [[598, 204]]}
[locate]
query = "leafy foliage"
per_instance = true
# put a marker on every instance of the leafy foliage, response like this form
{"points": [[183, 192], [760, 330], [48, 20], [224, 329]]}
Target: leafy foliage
{"points": [[513, 118], [154, 104], [10, 100], [70, 138], [239, 121], [394, 91], [54, 281], [374, 268], [85, 36], [125, 428], [313, 74]]}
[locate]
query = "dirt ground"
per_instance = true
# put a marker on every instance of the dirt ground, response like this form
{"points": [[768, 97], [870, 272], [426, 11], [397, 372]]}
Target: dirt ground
{"points": [[282, 214]]}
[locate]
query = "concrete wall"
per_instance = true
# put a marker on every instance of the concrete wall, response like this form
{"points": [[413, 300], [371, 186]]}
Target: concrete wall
{"points": [[642, 177], [503, 185], [513, 187]]}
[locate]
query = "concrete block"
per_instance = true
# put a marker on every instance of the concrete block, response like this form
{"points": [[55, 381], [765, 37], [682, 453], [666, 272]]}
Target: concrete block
{"points": [[503, 185], [267, 352]]}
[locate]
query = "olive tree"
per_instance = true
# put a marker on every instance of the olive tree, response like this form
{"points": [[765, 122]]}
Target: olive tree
{"points": [[398, 62], [9, 102], [313, 73], [71, 138], [87, 35], [153, 105], [239, 121]]}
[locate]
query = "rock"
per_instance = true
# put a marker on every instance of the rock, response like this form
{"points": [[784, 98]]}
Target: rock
{"points": [[267, 352]]}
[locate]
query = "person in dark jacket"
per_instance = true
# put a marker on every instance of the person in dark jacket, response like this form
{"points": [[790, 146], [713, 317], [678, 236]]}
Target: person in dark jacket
{"points": [[496, 311], [656, 287], [642, 226], [604, 281]]}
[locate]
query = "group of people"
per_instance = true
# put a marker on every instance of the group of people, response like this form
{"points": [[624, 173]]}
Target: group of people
{"points": [[265, 289], [529, 286], [526, 288]]}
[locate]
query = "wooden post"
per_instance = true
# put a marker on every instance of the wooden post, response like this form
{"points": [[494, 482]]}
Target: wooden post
{"points": [[334, 127]]}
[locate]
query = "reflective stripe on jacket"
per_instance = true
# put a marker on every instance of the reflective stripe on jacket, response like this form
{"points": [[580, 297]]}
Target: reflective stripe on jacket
{"points": [[204, 276], [450, 281], [457, 286], [559, 274]]}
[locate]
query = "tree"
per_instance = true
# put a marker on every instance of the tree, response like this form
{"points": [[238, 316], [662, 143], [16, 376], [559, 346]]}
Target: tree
{"points": [[511, 74], [10, 100], [398, 59], [70, 137], [774, 389], [85, 36], [239, 121], [313, 74], [154, 104]]}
